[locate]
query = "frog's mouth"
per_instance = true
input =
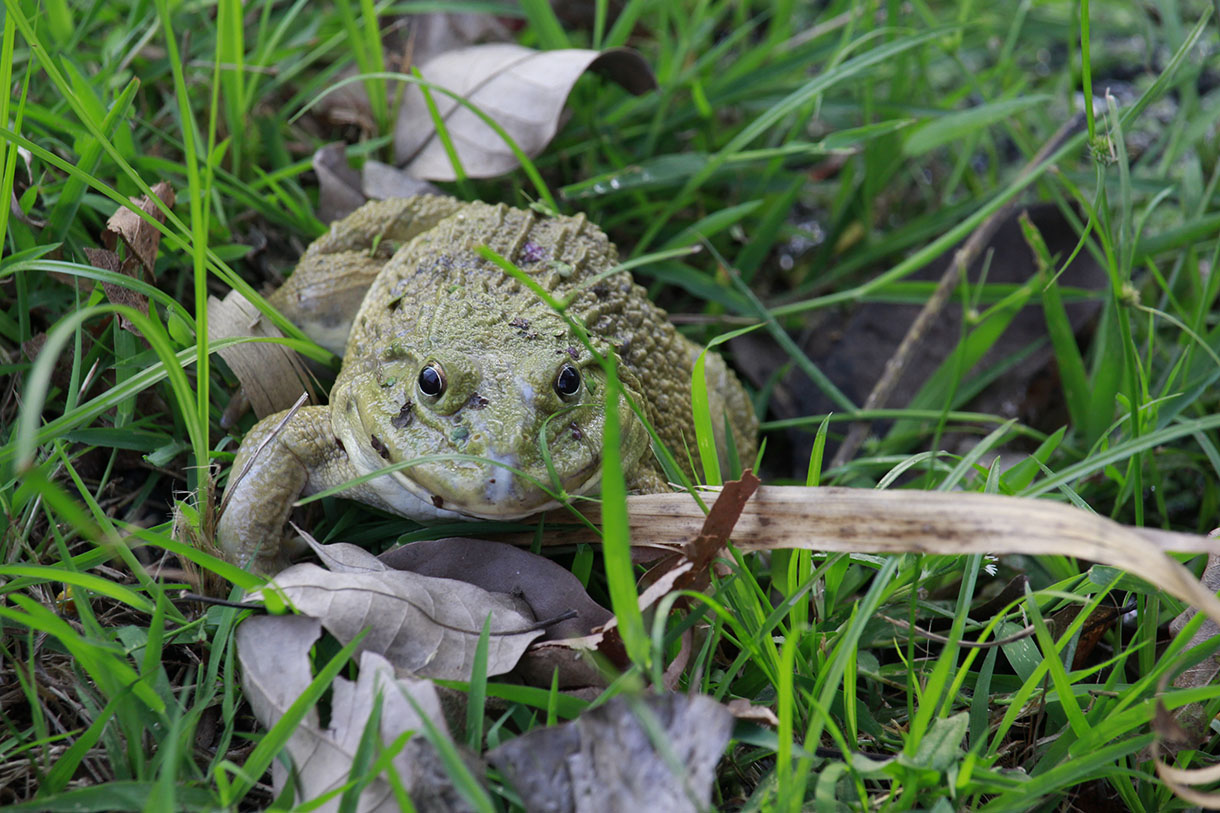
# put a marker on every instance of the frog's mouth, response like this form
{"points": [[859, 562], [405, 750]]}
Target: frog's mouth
{"points": [[490, 486], [493, 487]]}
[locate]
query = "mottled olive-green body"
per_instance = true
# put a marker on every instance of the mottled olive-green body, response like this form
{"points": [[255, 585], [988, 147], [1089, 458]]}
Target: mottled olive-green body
{"points": [[505, 360]]}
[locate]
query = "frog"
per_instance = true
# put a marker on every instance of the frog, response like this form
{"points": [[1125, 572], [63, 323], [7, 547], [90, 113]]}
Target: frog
{"points": [[467, 392]]}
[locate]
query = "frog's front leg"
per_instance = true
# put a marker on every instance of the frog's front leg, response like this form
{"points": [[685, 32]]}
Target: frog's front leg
{"points": [[271, 472], [325, 291]]}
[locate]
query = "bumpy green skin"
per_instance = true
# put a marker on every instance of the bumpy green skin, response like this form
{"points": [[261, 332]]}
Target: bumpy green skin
{"points": [[435, 301]]}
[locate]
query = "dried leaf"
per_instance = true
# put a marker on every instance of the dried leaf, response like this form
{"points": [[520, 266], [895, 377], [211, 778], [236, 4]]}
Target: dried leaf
{"points": [[425, 625], [743, 709], [702, 551], [605, 640], [107, 260], [122, 295], [339, 186], [523, 90], [1193, 716], [274, 654], [102, 258], [434, 34], [343, 557], [549, 590], [272, 376], [381, 182], [606, 760], [141, 237]]}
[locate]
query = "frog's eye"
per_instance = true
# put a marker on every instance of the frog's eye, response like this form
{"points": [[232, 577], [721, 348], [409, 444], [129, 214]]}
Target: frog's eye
{"points": [[432, 380], [567, 382]]}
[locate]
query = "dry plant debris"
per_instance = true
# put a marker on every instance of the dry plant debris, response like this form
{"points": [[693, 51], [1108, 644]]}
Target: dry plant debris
{"points": [[272, 376], [426, 625], [656, 752], [276, 670], [523, 90]]}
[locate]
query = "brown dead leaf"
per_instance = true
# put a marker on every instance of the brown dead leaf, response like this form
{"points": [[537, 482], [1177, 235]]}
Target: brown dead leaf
{"points": [[604, 640], [140, 237], [425, 625], [122, 295], [713, 537], [342, 189], [1172, 737], [743, 709], [382, 182], [343, 557], [272, 376], [107, 260], [339, 192], [434, 34], [607, 760], [274, 655], [102, 258], [1193, 716], [549, 590], [523, 90]]}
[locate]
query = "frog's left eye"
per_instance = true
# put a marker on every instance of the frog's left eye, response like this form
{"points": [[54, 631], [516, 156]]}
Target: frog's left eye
{"points": [[432, 380], [567, 382]]}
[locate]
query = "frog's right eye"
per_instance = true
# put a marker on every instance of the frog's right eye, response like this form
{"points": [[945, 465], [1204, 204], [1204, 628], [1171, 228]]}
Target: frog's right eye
{"points": [[432, 380]]}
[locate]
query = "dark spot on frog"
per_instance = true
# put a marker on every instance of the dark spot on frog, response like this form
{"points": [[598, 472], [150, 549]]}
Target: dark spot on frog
{"points": [[572, 352], [405, 415], [577, 433], [523, 327], [600, 291], [477, 401], [438, 501], [393, 304], [379, 447], [531, 253], [342, 448]]}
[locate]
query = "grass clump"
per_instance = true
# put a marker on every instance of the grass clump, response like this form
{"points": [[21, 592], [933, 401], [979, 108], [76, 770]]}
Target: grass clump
{"points": [[822, 158]]}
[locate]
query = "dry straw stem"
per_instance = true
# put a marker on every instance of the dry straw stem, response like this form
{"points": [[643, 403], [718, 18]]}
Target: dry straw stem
{"points": [[857, 520]]}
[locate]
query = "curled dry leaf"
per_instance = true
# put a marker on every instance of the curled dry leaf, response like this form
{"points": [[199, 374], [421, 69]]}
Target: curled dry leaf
{"points": [[425, 625], [140, 236], [274, 655], [343, 557], [272, 376], [339, 192], [523, 90], [342, 190], [606, 760], [381, 181], [743, 709], [713, 537], [568, 655], [1193, 716], [1171, 737], [550, 590]]}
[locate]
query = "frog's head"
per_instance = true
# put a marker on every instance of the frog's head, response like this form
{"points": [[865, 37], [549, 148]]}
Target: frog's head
{"points": [[468, 379]]}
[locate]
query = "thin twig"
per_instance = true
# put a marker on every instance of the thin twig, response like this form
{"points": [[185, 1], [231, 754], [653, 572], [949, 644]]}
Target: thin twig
{"points": [[932, 636]]}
